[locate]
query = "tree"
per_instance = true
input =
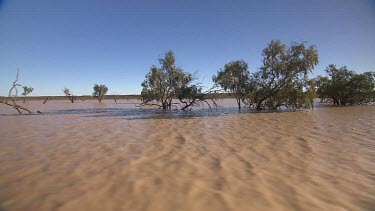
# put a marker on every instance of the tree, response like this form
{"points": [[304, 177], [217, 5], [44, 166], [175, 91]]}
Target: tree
{"points": [[168, 81], [162, 83], [26, 91], [344, 86], [115, 97], [100, 91], [363, 88], [13, 95], [283, 68], [324, 90], [234, 78], [70, 96]]}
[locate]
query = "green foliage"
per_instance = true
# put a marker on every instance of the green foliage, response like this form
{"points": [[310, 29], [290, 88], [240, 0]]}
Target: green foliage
{"points": [[26, 91], [168, 81], [283, 76], [310, 94], [344, 86], [66, 91], [234, 78], [100, 91], [281, 81], [70, 96]]}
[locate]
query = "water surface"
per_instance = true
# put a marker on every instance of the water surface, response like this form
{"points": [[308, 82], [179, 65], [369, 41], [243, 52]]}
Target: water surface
{"points": [[92, 156]]}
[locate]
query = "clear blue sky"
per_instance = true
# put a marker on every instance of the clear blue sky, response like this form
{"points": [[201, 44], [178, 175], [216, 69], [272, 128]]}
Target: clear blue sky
{"points": [[75, 44]]}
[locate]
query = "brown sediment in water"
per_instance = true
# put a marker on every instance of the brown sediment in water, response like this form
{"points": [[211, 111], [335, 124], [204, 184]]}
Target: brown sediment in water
{"points": [[91, 156]]}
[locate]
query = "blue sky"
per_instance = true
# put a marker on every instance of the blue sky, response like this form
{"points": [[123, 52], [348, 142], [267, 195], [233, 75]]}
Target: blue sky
{"points": [[76, 44]]}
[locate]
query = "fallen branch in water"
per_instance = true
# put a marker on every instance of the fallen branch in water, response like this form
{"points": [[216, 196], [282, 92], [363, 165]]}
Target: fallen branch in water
{"points": [[14, 98], [17, 107]]}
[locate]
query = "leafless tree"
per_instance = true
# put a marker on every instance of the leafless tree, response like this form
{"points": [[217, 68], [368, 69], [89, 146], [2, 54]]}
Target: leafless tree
{"points": [[13, 94], [47, 98]]}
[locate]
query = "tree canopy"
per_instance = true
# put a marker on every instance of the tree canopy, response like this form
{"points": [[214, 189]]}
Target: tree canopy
{"points": [[100, 91], [26, 91], [344, 86], [169, 81], [284, 74], [234, 78]]}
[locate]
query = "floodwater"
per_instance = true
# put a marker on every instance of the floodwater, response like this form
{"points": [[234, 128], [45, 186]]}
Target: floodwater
{"points": [[92, 156]]}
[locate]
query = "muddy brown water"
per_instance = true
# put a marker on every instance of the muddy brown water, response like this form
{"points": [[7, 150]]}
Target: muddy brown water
{"points": [[92, 156]]}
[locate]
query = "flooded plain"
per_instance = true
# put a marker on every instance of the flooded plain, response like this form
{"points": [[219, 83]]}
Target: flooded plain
{"points": [[92, 156]]}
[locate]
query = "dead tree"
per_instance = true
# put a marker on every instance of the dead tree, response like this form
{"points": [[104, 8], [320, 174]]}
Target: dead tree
{"points": [[13, 97], [189, 97], [47, 98], [197, 98]]}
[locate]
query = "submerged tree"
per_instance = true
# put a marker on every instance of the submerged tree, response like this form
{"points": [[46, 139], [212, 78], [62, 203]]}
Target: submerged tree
{"points": [[99, 92], [115, 97], [234, 78], [26, 91], [70, 96], [344, 86], [168, 81], [284, 71], [13, 95]]}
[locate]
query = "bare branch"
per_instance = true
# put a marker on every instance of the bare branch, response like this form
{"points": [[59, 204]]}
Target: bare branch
{"points": [[14, 96]]}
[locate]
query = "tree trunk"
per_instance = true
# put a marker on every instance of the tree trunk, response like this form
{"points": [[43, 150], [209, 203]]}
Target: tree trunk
{"points": [[259, 104], [239, 103]]}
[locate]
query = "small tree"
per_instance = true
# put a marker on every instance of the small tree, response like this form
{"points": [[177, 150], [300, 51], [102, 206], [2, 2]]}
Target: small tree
{"points": [[70, 96], [100, 91], [168, 81], [234, 78], [26, 91], [161, 84], [115, 97]]}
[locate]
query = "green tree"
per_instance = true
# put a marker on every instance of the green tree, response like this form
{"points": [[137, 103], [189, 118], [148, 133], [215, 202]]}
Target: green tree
{"points": [[363, 88], [284, 70], [26, 91], [234, 78], [164, 83], [70, 96], [344, 86], [99, 92]]}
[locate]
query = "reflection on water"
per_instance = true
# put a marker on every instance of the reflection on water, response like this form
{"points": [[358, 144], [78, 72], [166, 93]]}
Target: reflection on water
{"points": [[91, 156]]}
